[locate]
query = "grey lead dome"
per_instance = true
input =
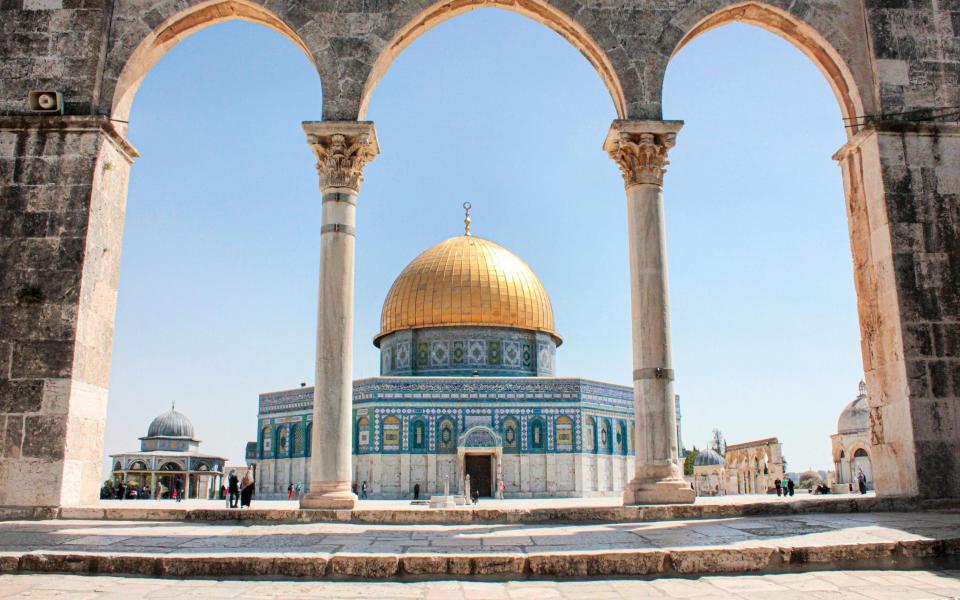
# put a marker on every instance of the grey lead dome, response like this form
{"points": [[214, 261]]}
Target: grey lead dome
{"points": [[708, 457], [171, 424]]}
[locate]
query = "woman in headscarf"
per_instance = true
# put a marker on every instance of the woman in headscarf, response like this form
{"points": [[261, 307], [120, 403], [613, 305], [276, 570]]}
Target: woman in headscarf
{"points": [[246, 489]]}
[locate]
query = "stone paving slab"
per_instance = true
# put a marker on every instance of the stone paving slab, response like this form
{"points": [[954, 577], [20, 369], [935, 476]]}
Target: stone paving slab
{"points": [[839, 585], [573, 510], [376, 551]]}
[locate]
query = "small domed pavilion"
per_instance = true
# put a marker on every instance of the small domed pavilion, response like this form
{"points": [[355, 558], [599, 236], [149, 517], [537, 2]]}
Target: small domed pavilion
{"points": [[708, 473], [169, 458], [851, 444]]}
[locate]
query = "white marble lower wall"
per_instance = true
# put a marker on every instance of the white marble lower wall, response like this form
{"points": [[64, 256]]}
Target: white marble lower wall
{"points": [[525, 475], [273, 476]]}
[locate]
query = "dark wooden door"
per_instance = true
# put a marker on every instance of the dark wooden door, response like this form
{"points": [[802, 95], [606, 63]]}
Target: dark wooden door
{"points": [[478, 468]]}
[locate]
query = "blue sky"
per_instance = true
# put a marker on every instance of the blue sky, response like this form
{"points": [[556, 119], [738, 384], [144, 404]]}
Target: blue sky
{"points": [[219, 272]]}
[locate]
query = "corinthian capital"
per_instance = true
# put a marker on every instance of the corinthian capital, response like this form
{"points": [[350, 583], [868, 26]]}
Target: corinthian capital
{"points": [[640, 149], [342, 149]]}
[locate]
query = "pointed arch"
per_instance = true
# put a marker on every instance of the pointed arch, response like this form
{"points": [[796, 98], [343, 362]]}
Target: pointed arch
{"points": [[538, 10], [802, 35], [178, 27]]}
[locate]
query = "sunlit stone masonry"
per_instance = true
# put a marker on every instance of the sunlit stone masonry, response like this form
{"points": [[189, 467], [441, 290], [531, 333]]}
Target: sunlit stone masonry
{"points": [[69, 72], [467, 354]]}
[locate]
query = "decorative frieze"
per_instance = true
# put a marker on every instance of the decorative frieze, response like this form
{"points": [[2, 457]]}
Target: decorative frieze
{"points": [[342, 149]]}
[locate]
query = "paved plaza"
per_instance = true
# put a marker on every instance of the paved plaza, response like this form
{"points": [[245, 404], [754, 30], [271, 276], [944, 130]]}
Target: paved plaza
{"points": [[506, 504], [832, 585], [331, 538]]}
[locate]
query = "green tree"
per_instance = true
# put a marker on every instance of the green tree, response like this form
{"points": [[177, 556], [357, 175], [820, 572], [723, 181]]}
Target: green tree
{"points": [[688, 461]]}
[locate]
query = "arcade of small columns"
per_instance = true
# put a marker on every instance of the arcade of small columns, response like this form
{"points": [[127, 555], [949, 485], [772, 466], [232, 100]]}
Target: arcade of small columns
{"points": [[640, 149]]}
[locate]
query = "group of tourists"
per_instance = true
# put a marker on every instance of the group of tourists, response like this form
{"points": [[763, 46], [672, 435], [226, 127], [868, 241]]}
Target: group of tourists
{"points": [[293, 491], [239, 489], [784, 487]]}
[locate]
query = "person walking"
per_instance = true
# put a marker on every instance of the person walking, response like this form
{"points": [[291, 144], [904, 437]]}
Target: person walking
{"points": [[290, 492], [246, 489], [501, 488], [777, 484], [416, 491], [363, 491], [298, 489], [783, 486], [790, 485], [234, 487], [862, 481]]}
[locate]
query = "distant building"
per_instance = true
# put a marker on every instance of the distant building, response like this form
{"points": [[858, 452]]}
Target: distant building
{"points": [[170, 458], [746, 468], [851, 444]]}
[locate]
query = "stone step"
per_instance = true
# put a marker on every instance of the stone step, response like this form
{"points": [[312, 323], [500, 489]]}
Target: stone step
{"points": [[425, 515], [646, 563]]}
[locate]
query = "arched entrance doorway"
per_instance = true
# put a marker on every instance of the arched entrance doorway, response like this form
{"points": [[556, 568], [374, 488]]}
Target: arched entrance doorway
{"points": [[480, 451]]}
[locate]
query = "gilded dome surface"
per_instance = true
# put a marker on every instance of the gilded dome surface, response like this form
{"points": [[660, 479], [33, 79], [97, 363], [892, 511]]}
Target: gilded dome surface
{"points": [[467, 280]]}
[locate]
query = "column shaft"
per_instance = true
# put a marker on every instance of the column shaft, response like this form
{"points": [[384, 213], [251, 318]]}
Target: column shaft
{"points": [[640, 149], [342, 150]]}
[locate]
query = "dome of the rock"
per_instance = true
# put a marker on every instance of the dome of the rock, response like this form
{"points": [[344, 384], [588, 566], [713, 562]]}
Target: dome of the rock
{"points": [[467, 281]]}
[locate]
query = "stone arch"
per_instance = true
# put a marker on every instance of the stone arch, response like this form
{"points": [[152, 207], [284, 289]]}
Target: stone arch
{"points": [[539, 10], [177, 27], [804, 36]]}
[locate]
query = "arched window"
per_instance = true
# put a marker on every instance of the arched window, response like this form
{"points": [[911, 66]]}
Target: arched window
{"points": [[606, 437], [363, 434], [202, 467], [171, 466], [283, 439], [265, 442], [860, 453], [563, 433], [536, 441], [511, 439], [446, 436], [418, 435], [622, 437], [590, 434], [138, 465], [843, 455], [308, 439], [117, 466], [296, 444], [391, 434]]}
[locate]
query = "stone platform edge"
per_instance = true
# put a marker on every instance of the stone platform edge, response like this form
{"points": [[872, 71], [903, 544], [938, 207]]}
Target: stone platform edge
{"points": [[626, 514], [647, 563]]}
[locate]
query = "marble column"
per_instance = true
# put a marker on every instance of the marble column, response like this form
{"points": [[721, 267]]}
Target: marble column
{"points": [[640, 150], [342, 149]]}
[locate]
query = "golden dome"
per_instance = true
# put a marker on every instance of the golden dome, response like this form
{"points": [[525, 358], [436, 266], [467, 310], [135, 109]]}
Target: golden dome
{"points": [[467, 280]]}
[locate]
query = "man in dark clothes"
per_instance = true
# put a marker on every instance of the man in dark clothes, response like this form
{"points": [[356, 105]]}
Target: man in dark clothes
{"points": [[416, 491], [790, 485], [776, 484], [234, 489]]}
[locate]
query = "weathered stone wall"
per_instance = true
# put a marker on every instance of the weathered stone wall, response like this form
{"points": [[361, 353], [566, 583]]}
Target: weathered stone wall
{"points": [[61, 208], [61, 217]]}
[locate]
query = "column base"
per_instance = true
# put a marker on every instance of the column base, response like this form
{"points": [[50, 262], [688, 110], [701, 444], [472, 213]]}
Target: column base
{"points": [[338, 499], [658, 492]]}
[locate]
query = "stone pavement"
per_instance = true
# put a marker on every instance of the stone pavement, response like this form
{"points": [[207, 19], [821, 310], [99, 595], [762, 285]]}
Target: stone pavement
{"points": [[833, 585], [376, 551]]}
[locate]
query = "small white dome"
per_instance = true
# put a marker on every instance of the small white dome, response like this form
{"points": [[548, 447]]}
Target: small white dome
{"points": [[708, 457], [855, 417]]}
